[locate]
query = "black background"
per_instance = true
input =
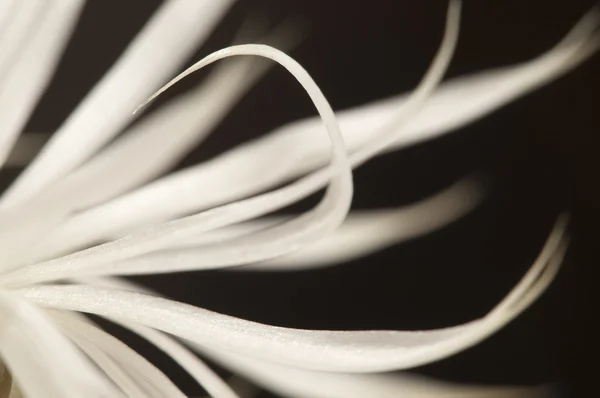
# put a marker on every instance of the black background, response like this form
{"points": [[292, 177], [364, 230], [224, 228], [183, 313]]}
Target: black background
{"points": [[538, 157]]}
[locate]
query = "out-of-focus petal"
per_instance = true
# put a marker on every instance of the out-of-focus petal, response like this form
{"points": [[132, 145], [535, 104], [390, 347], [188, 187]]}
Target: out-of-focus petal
{"points": [[295, 148], [361, 233], [168, 39], [85, 235], [28, 59], [196, 368], [365, 232], [302, 383], [150, 381], [345, 351], [36, 353], [282, 239]]}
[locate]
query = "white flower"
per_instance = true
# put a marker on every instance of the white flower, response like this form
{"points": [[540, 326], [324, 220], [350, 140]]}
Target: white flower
{"points": [[77, 194]]}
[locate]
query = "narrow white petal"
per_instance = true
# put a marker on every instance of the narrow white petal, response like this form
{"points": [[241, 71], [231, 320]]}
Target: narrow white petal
{"points": [[36, 352], [191, 117], [298, 147], [203, 374], [326, 216], [164, 137], [361, 234], [79, 233], [7, 12], [113, 171], [302, 383], [346, 351], [153, 381], [366, 232], [18, 20], [28, 60], [129, 385], [167, 40]]}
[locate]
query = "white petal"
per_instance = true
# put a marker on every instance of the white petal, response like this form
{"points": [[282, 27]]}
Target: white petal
{"points": [[361, 234], [298, 147], [302, 383], [36, 352], [346, 351], [203, 374], [18, 20], [326, 216], [82, 234], [366, 232], [154, 383], [192, 117], [131, 386], [167, 40], [7, 12], [113, 171], [28, 59], [164, 137]]}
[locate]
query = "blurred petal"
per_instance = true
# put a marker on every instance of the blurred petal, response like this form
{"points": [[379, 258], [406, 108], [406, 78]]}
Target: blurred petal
{"points": [[18, 20], [345, 351], [7, 13], [120, 216], [130, 384], [28, 59], [302, 383], [361, 234], [152, 381], [203, 374], [113, 171], [365, 232], [299, 147], [325, 217], [36, 352], [168, 39], [110, 173]]}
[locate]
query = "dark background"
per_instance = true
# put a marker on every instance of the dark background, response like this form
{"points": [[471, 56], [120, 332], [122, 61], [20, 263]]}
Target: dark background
{"points": [[538, 157]]}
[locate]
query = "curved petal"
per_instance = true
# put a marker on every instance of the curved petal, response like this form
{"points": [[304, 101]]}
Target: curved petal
{"points": [[326, 216], [302, 383], [80, 233], [113, 172], [7, 12], [203, 374], [366, 232], [28, 60], [151, 382], [361, 233], [298, 147], [167, 40], [35, 352], [346, 351]]}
